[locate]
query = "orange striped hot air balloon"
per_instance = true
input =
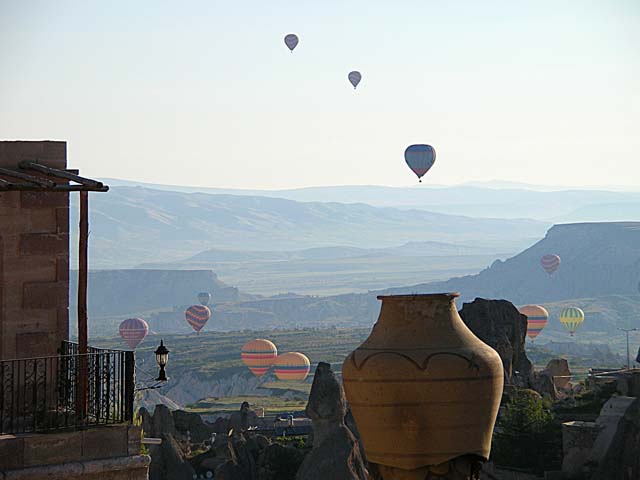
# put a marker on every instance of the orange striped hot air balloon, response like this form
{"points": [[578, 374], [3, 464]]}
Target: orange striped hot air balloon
{"points": [[259, 355], [197, 316], [293, 366], [537, 318]]}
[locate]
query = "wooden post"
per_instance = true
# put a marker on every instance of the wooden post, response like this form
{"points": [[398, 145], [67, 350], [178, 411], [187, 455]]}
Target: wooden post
{"points": [[83, 241]]}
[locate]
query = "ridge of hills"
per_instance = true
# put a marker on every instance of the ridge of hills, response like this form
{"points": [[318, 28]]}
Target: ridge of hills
{"points": [[600, 272], [597, 259], [480, 199], [134, 225]]}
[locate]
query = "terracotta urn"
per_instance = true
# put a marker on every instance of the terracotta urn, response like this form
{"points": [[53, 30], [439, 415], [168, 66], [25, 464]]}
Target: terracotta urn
{"points": [[423, 389]]}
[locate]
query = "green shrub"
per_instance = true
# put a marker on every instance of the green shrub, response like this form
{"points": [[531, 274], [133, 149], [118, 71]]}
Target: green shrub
{"points": [[527, 435]]}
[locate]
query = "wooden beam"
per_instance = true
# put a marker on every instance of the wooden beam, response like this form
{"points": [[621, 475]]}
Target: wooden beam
{"points": [[83, 248], [54, 172], [43, 182]]}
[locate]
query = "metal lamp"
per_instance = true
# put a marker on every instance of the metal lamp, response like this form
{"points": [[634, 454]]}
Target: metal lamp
{"points": [[162, 357]]}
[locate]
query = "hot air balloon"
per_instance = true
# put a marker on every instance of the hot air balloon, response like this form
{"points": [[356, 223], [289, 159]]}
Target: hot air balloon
{"points": [[293, 366], [354, 77], [204, 297], [133, 330], [572, 318], [550, 263], [291, 41], [197, 316], [537, 318], [420, 159], [259, 355]]}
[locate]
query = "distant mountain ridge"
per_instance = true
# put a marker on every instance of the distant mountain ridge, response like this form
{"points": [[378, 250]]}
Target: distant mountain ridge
{"points": [[597, 259], [134, 225], [600, 272], [478, 199]]}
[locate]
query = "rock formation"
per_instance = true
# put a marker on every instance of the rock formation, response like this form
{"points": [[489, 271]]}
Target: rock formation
{"points": [[168, 460], [499, 324], [192, 423], [242, 420], [622, 460], [558, 369], [336, 452], [241, 464], [544, 385]]}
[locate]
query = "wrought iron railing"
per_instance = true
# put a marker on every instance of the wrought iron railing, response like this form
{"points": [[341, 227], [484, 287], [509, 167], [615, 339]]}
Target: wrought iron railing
{"points": [[66, 391]]}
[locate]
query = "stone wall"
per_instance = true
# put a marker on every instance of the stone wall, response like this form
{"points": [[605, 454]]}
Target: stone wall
{"points": [[34, 258], [105, 453]]}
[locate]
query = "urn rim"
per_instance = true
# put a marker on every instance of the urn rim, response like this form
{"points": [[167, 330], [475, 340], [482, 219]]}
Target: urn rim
{"points": [[420, 296]]}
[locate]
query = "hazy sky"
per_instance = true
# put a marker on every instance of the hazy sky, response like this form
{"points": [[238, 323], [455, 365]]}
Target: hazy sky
{"points": [[206, 93]]}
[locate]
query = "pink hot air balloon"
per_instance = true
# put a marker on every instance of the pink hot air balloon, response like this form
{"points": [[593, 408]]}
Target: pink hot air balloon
{"points": [[133, 330], [197, 316], [550, 263]]}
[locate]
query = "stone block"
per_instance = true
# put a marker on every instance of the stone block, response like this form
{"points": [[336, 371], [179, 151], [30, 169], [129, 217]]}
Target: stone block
{"points": [[50, 153], [30, 269], [14, 223], [35, 321], [39, 344], [45, 295], [62, 317], [134, 439], [44, 244], [11, 449], [62, 269], [105, 442], [9, 202], [52, 449], [43, 220], [62, 219], [29, 200]]}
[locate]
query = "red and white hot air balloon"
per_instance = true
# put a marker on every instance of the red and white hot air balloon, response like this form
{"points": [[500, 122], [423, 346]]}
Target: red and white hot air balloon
{"points": [[133, 330]]}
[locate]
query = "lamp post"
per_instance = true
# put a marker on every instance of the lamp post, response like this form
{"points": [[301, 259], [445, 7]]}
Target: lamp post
{"points": [[162, 357], [627, 330]]}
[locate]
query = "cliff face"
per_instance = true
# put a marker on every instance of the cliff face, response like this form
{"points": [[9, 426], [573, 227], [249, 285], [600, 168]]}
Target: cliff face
{"points": [[499, 324], [597, 259], [120, 292], [190, 388]]}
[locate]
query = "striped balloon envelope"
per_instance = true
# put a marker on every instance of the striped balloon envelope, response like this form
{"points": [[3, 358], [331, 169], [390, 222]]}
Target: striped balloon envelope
{"points": [[133, 330], [550, 263], [197, 316], [572, 318], [537, 318], [259, 355], [420, 159], [292, 366]]}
